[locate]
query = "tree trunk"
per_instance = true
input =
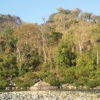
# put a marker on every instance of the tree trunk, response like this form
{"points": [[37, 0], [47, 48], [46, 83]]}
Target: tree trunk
{"points": [[97, 59], [80, 47], [19, 57], [44, 51]]}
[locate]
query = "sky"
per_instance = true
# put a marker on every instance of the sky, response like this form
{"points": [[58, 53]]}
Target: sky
{"points": [[33, 11]]}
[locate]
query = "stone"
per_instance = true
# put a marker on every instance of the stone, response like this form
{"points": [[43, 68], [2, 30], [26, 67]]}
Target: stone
{"points": [[49, 95], [67, 86], [41, 85]]}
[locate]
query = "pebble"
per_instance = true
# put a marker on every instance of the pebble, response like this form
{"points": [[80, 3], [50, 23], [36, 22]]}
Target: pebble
{"points": [[49, 95]]}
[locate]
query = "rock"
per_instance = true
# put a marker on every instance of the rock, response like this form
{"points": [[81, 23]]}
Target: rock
{"points": [[49, 95], [98, 87], [36, 80], [41, 85], [85, 87], [33, 88], [67, 86]]}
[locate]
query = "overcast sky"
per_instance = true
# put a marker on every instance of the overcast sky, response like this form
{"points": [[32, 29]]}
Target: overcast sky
{"points": [[33, 10]]}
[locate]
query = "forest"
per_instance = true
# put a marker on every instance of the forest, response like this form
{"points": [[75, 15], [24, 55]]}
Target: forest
{"points": [[65, 49]]}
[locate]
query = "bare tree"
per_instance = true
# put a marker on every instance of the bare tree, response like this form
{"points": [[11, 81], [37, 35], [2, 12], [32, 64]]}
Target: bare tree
{"points": [[42, 30]]}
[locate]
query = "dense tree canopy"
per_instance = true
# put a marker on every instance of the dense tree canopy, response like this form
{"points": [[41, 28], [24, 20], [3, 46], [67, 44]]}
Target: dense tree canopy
{"points": [[65, 49]]}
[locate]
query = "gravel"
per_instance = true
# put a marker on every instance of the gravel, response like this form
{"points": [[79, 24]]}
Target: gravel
{"points": [[49, 95]]}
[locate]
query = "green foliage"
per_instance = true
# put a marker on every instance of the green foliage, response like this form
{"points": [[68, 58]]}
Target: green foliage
{"points": [[95, 74], [84, 72], [18, 82], [53, 80], [61, 10], [70, 76], [22, 83], [29, 75], [70, 79], [7, 31], [93, 83], [42, 74], [81, 81], [85, 59], [54, 37], [21, 72], [32, 60], [8, 66], [24, 80], [8, 20], [63, 55], [9, 62], [3, 83], [8, 44], [69, 41]]}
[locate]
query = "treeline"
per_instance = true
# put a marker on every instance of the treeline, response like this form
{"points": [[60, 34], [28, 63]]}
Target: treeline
{"points": [[65, 49]]}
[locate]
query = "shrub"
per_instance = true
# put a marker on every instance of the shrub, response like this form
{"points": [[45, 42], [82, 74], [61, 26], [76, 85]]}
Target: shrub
{"points": [[21, 72], [43, 74], [82, 81], [21, 83], [3, 83], [52, 81], [29, 75], [82, 71], [70, 79], [93, 83], [70, 75]]}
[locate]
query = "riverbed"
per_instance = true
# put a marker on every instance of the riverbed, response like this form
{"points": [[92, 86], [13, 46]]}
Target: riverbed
{"points": [[50, 95]]}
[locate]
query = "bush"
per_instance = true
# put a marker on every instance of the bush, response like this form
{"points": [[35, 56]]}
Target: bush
{"points": [[93, 83], [42, 74], [29, 75], [21, 72], [21, 83], [70, 79], [70, 75], [82, 71], [82, 81], [3, 83], [52, 81]]}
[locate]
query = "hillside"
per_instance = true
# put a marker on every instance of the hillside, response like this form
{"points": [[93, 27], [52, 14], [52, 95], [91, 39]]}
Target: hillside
{"points": [[9, 20], [63, 50]]}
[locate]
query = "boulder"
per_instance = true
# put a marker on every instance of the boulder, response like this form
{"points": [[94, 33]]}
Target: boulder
{"points": [[41, 85], [67, 86]]}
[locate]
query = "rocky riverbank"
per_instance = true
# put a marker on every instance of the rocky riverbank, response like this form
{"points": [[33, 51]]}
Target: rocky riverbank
{"points": [[49, 95]]}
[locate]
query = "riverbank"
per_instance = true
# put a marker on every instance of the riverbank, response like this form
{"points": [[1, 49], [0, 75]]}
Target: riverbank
{"points": [[50, 95]]}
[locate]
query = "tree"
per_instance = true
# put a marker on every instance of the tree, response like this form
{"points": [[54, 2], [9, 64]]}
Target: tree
{"points": [[8, 66], [64, 54], [31, 60], [44, 37], [76, 12], [54, 37], [8, 41], [86, 16], [85, 59], [81, 33], [95, 39], [29, 39], [8, 20]]}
